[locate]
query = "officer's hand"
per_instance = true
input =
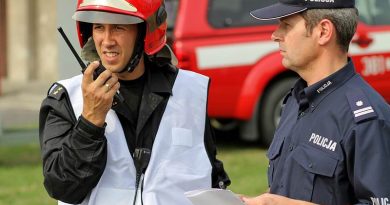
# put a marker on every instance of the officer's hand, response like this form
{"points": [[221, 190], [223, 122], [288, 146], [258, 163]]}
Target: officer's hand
{"points": [[98, 94], [272, 199]]}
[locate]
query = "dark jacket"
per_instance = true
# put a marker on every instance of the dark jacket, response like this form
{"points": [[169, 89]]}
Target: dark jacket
{"points": [[74, 150], [332, 143]]}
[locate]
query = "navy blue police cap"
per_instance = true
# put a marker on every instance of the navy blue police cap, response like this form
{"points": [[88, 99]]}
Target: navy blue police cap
{"points": [[289, 7]]}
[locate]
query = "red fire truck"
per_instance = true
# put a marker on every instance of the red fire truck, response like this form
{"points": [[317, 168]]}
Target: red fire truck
{"points": [[219, 38]]}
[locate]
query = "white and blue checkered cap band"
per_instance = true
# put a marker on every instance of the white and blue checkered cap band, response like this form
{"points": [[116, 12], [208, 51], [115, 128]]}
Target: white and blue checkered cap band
{"points": [[321, 4]]}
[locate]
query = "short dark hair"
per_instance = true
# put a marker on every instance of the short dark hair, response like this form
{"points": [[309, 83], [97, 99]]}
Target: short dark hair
{"points": [[344, 20]]}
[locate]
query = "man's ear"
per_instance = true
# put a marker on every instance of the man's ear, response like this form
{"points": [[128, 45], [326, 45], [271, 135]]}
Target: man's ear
{"points": [[326, 31]]}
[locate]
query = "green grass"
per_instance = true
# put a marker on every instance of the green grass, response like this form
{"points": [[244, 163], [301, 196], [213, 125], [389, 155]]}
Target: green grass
{"points": [[21, 176], [21, 172], [22, 185], [246, 165]]}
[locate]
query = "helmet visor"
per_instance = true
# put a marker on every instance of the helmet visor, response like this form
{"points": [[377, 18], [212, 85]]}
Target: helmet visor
{"points": [[105, 17]]}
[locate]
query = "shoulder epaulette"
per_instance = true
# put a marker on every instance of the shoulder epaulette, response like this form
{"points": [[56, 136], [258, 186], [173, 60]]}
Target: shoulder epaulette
{"points": [[56, 91], [360, 106]]}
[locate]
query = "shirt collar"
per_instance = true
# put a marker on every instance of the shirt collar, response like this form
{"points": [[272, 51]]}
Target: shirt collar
{"points": [[314, 94]]}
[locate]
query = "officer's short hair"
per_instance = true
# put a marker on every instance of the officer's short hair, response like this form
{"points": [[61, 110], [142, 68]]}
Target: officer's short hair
{"points": [[345, 21]]}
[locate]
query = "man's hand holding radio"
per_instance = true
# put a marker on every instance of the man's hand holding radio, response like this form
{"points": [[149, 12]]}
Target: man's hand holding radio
{"points": [[98, 94]]}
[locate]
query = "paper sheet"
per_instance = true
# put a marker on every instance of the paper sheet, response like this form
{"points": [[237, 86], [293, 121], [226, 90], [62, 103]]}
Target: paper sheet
{"points": [[214, 197]]}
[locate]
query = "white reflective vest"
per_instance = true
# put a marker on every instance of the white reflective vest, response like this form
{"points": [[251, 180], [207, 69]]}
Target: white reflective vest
{"points": [[179, 161]]}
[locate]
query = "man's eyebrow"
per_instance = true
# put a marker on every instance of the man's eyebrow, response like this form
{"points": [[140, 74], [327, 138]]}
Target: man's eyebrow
{"points": [[284, 20]]}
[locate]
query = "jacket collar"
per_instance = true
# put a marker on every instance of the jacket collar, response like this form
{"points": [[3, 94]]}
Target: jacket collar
{"points": [[158, 86], [314, 94], [158, 81]]}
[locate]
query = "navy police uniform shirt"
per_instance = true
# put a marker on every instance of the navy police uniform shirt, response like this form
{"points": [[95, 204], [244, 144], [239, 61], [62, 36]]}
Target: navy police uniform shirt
{"points": [[332, 145]]}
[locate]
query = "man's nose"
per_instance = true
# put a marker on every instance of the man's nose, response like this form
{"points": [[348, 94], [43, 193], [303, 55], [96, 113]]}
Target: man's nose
{"points": [[108, 38], [276, 35]]}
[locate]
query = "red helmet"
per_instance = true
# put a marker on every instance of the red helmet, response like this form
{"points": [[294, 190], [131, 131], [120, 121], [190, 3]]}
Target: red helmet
{"points": [[124, 12]]}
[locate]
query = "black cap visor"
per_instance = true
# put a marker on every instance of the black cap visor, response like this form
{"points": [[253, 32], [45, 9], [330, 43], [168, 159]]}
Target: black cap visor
{"points": [[277, 11]]}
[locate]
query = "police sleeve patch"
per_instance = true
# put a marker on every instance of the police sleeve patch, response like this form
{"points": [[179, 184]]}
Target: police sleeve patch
{"points": [[56, 91], [360, 106]]}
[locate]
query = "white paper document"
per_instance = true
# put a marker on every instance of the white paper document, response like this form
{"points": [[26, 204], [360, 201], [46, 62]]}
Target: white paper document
{"points": [[213, 197]]}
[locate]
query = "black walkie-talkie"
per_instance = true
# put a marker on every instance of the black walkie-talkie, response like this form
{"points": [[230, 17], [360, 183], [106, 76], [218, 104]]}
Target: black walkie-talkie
{"points": [[118, 98], [141, 158]]}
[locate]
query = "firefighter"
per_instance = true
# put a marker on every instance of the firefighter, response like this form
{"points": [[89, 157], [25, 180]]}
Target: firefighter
{"points": [[332, 143], [135, 133]]}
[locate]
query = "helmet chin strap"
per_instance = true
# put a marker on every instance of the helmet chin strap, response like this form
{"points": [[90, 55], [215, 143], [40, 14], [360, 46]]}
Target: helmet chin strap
{"points": [[138, 51]]}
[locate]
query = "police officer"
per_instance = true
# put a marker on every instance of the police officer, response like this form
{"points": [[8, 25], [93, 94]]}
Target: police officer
{"points": [[332, 145], [138, 132]]}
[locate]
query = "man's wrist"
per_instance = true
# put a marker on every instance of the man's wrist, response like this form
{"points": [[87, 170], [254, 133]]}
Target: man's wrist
{"points": [[89, 128]]}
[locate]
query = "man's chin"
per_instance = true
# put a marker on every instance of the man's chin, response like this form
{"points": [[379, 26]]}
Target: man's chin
{"points": [[285, 63], [113, 68]]}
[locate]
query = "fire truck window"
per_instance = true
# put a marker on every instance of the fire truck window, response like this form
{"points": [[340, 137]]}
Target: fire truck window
{"points": [[374, 12], [171, 7], [235, 13]]}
